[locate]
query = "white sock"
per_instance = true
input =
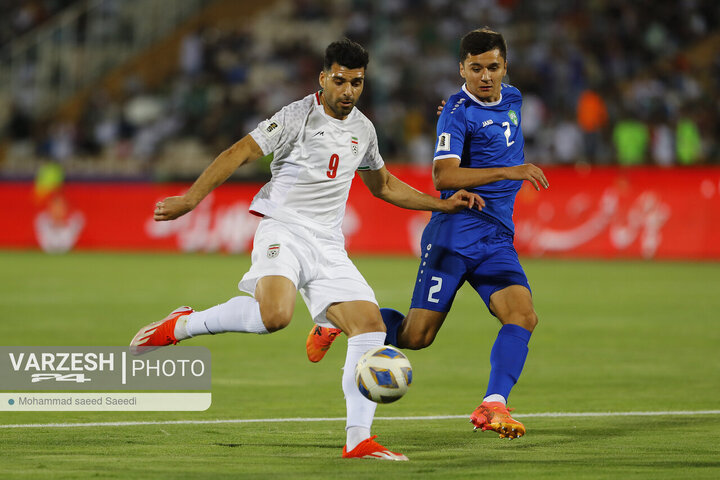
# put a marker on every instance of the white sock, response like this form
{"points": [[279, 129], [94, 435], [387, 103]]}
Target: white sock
{"points": [[355, 435], [360, 410], [495, 397], [239, 314]]}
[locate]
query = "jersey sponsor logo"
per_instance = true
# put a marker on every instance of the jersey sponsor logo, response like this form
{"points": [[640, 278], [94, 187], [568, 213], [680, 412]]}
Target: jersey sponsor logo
{"points": [[272, 129], [321, 133], [354, 145], [273, 250], [513, 117], [487, 122], [443, 142]]}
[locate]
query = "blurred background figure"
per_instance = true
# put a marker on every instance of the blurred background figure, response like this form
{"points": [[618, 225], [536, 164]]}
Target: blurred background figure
{"points": [[631, 139], [57, 226], [592, 118]]}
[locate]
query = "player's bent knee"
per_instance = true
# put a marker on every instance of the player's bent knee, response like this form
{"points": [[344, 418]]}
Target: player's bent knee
{"points": [[369, 326], [531, 321], [274, 324], [527, 320], [417, 341], [276, 319], [376, 325]]}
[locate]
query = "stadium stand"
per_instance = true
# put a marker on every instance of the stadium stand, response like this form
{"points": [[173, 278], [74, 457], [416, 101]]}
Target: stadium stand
{"points": [[593, 74]]}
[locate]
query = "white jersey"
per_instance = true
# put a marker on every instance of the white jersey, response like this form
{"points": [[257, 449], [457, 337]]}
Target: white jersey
{"points": [[315, 159]]}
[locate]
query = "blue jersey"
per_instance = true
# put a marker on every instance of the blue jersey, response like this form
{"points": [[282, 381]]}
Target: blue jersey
{"points": [[485, 135]]}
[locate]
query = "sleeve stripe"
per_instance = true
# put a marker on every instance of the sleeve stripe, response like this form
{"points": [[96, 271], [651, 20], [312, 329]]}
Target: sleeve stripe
{"points": [[452, 155]]}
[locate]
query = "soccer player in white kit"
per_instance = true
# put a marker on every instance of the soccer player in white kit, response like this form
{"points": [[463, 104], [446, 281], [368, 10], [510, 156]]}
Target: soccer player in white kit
{"points": [[318, 143]]}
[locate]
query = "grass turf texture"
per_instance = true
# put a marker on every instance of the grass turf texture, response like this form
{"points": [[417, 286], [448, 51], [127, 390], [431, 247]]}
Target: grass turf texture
{"points": [[613, 337]]}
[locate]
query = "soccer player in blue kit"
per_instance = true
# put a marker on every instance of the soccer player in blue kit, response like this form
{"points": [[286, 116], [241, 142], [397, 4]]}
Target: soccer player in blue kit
{"points": [[480, 149]]}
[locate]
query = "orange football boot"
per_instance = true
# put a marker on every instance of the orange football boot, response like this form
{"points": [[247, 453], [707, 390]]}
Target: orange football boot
{"points": [[369, 448], [319, 340], [158, 334], [495, 416]]}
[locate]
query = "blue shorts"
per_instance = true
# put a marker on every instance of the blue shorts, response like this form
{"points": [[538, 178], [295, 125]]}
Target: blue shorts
{"points": [[465, 246]]}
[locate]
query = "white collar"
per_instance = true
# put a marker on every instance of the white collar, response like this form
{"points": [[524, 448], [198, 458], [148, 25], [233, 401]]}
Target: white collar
{"points": [[477, 100]]}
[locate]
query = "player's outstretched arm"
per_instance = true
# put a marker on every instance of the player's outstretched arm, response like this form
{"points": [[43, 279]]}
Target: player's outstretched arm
{"points": [[386, 186], [243, 151], [448, 175]]}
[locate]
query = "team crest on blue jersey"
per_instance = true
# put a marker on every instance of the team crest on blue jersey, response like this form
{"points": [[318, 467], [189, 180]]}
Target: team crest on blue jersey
{"points": [[273, 250], [513, 117]]}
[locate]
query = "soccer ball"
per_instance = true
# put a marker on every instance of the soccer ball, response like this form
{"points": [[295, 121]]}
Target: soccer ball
{"points": [[383, 374]]}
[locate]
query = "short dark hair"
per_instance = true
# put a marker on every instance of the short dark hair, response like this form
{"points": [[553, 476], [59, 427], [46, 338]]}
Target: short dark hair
{"points": [[346, 53], [480, 41]]}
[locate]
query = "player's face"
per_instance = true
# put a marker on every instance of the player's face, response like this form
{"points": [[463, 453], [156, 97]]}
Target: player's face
{"points": [[483, 74], [342, 88]]}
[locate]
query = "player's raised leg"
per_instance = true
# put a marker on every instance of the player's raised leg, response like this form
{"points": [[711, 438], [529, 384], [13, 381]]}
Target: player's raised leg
{"points": [[416, 331], [269, 311], [161, 333], [419, 328], [362, 323], [513, 307], [440, 274]]}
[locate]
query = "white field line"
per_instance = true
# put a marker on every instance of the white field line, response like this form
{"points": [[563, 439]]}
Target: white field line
{"points": [[338, 419]]}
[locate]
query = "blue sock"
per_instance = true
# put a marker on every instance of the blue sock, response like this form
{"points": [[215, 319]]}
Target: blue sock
{"points": [[507, 359], [393, 321]]}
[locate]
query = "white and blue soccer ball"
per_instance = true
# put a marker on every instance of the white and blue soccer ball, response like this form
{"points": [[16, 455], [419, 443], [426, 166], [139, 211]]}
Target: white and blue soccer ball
{"points": [[383, 374]]}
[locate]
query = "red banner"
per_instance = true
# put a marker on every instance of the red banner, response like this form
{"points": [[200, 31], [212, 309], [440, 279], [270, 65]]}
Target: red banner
{"points": [[599, 212], [625, 213]]}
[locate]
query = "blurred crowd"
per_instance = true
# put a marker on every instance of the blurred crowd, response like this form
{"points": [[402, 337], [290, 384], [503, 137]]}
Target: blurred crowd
{"points": [[18, 17], [604, 82]]}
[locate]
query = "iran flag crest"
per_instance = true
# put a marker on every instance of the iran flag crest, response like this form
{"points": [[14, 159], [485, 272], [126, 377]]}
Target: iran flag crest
{"points": [[273, 250]]}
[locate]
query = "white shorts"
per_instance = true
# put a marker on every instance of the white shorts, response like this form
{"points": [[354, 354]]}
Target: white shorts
{"points": [[319, 267]]}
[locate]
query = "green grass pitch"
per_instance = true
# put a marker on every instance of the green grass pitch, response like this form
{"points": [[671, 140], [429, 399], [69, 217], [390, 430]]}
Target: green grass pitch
{"points": [[613, 337]]}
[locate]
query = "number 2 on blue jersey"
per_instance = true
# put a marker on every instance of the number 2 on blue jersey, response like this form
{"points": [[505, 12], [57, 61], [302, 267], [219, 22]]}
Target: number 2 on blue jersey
{"points": [[435, 289], [507, 133]]}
